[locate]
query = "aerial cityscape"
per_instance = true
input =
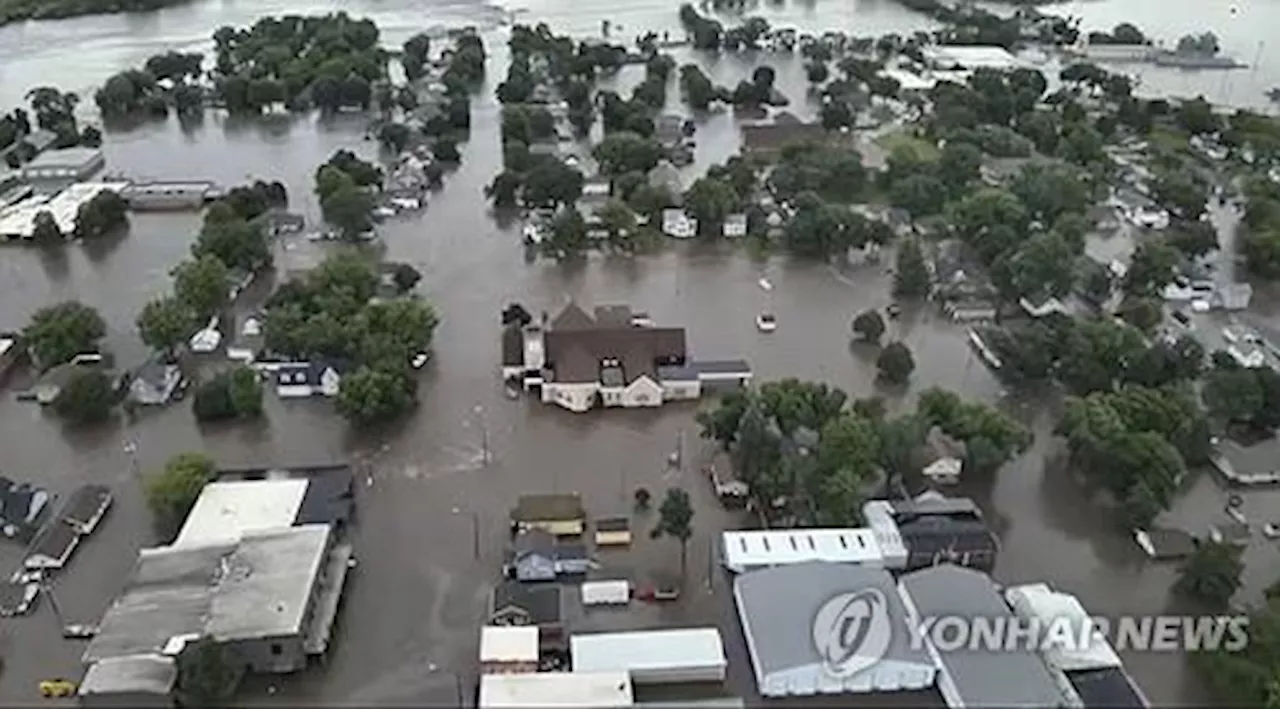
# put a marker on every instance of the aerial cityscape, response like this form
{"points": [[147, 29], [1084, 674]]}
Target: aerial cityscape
{"points": [[729, 353]]}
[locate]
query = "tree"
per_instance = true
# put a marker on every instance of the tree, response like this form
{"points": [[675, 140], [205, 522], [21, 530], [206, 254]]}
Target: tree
{"points": [[619, 223], [709, 201], [504, 190], [45, 228], [624, 151], [1151, 270], [642, 499], [405, 277], [1211, 574], [568, 236], [895, 363], [374, 395], [445, 150], [57, 333], [919, 194], [244, 389], [1181, 193], [201, 285], [165, 323], [395, 136], [172, 493], [911, 276], [103, 214], [816, 72], [675, 519], [869, 326], [207, 678], [238, 244], [1193, 239], [86, 397], [1233, 394], [958, 165], [212, 400], [348, 208]]}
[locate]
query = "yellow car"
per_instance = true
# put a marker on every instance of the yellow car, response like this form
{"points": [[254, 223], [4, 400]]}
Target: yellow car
{"points": [[54, 688]]}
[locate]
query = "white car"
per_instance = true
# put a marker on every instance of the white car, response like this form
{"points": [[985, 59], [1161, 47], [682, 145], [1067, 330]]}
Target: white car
{"points": [[1271, 530], [766, 322]]}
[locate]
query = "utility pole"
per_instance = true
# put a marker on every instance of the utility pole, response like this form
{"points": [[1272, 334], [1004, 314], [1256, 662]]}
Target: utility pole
{"points": [[484, 434], [131, 449], [47, 588], [475, 534]]}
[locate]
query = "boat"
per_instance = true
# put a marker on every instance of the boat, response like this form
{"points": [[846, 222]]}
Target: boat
{"points": [[766, 322]]}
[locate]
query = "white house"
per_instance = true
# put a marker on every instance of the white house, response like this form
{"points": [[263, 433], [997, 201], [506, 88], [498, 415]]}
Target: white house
{"points": [[679, 225], [944, 471], [296, 380], [735, 226]]}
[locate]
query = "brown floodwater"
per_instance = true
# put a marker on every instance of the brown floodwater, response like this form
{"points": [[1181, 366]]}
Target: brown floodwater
{"points": [[410, 618]]}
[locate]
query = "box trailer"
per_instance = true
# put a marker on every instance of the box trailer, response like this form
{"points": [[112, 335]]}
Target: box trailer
{"points": [[606, 593]]}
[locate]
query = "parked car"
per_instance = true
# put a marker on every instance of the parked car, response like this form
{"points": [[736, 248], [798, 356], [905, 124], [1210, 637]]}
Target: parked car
{"points": [[1270, 530], [56, 688], [79, 631], [766, 322]]}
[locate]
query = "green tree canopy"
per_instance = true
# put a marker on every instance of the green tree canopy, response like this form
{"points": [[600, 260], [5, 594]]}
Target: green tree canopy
{"points": [[172, 492], [57, 333]]}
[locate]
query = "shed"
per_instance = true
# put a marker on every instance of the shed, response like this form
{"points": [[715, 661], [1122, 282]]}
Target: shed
{"points": [[757, 549], [613, 531], [606, 593], [592, 690], [653, 656], [510, 648], [561, 515]]}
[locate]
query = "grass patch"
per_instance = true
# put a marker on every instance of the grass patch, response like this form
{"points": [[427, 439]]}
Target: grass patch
{"points": [[923, 149]]}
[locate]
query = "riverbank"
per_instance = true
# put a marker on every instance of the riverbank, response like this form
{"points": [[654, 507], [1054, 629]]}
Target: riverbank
{"points": [[12, 11]]}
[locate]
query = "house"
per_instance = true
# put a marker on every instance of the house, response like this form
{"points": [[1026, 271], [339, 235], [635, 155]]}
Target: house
{"points": [[735, 225], [520, 604], [66, 165], [666, 176], [560, 515], [1042, 307], [508, 649], [606, 593], [303, 379], [17, 597], [970, 310], [595, 191], [770, 138], [537, 556], [52, 547], [613, 531], [1165, 544], [23, 509], [1233, 296], [86, 507], [948, 458], [270, 597], [776, 608], [155, 382], [678, 224], [668, 130], [973, 676], [47, 388], [931, 529]]}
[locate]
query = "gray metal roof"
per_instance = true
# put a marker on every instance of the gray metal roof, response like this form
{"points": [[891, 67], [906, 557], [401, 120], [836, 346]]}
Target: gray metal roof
{"points": [[132, 674], [777, 607], [1012, 678], [256, 587], [64, 158]]}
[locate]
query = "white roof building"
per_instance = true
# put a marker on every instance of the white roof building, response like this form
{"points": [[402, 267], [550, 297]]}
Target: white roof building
{"points": [[975, 57], [226, 511], [757, 549], [908, 81], [509, 643], [18, 221], [1038, 602], [596, 690], [653, 656]]}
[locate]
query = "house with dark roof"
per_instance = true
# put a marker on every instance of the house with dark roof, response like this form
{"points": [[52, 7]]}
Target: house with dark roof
{"points": [[52, 547], [537, 555], [154, 383], [767, 138], [932, 529], [23, 509], [86, 507], [975, 676], [296, 380], [613, 358], [522, 604]]}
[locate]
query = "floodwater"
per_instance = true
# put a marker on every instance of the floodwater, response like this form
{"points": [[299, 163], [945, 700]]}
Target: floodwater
{"points": [[412, 609]]}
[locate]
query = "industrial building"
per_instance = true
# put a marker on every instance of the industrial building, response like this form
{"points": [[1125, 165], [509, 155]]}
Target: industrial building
{"points": [[969, 676], [758, 549], [590, 690], [1093, 676], [931, 529], [228, 509], [777, 607], [18, 220], [653, 656], [132, 681], [66, 165], [166, 196]]}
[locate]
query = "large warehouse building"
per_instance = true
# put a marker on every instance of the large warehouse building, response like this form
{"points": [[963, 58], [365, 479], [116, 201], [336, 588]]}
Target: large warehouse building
{"points": [[653, 656]]}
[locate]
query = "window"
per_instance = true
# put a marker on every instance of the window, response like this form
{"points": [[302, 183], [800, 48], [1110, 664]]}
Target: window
{"points": [[276, 649]]}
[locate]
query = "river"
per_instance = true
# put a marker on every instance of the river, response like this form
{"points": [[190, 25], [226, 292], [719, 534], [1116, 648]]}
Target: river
{"points": [[427, 470]]}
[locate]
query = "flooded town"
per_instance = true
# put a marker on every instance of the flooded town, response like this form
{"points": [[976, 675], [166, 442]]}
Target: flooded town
{"points": [[499, 355]]}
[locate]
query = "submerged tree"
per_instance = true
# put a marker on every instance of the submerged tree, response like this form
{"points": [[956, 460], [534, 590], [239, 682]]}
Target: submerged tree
{"points": [[1211, 574], [675, 519]]}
